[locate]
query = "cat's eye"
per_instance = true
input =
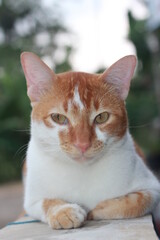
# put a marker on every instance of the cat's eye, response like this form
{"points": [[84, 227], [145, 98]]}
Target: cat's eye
{"points": [[59, 118], [101, 118]]}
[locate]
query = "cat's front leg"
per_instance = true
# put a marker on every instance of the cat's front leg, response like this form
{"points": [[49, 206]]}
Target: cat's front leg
{"points": [[62, 215], [133, 205]]}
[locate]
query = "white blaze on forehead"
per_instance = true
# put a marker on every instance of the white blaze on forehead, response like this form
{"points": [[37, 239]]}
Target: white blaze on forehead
{"points": [[69, 104], [100, 135], [76, 99]]}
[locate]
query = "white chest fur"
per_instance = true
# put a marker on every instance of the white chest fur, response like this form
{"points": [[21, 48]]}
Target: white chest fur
{"points": [[116, 174]]}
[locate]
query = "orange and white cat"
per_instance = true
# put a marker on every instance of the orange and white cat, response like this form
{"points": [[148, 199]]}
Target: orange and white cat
{"points": [[81, 161]]}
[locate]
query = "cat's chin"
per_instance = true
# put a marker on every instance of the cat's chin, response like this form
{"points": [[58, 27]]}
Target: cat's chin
{"points": [[82, 159]]}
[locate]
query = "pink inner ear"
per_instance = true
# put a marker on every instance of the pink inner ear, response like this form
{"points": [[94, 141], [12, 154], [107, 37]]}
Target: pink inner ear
{"points": [[120, 74], [38, 75]]}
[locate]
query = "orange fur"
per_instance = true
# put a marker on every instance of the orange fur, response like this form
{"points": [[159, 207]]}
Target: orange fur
{"points": [[65, 218], [64, 87], [24, 168], [129, 206], [48, 203], [139, 151], [80, 98]]}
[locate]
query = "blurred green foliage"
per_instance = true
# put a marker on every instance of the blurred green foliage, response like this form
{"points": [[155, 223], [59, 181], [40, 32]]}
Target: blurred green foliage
{"points": [[23, 26], [142, 103]]}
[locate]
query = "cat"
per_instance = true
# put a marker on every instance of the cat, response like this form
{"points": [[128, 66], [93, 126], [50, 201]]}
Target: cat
{"points": [[82, 163]]}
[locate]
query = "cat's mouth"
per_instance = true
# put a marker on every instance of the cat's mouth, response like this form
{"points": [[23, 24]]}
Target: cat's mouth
{"points": [[86, 157], [89, 155], [82, 158]]}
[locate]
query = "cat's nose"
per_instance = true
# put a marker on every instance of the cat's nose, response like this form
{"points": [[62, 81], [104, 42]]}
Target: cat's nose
{"points": [[82, 146]]}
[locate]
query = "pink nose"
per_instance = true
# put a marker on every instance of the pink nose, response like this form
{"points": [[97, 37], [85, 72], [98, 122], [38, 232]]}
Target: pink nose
{"points": [[82, 146]]}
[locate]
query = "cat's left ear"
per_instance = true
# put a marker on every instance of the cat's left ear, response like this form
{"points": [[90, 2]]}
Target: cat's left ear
{"points": [[120, 74]]}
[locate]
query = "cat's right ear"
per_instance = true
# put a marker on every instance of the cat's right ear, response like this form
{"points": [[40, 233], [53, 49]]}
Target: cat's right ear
{"points": [[38, 75]]}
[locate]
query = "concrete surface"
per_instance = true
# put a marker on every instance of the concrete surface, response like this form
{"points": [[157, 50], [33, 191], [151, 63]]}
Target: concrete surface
{"points": [[133, 229], [11, 202]]}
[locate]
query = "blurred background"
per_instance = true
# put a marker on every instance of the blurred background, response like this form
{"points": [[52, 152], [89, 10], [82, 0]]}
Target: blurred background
{"points": [[87, 35]]}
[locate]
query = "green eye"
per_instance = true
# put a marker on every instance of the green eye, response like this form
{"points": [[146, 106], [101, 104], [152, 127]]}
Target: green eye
{"points": [[59, 118], [101, 118]]}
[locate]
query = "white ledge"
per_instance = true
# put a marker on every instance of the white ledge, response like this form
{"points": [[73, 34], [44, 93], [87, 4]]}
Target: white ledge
{"points": [[132, 229]]}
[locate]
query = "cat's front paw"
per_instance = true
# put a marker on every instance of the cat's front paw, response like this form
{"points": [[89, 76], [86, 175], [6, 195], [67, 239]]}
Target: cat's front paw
{"points": [[66, 216]]}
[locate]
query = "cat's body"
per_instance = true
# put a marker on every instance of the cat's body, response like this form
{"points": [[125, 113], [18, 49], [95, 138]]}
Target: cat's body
{"points": [[81, 159]]}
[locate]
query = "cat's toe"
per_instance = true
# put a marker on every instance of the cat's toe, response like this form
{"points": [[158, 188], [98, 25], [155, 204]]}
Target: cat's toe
{"points": [[66, 217]]}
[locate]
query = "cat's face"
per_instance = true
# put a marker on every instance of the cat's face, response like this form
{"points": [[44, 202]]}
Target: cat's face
{"points": [[76, 113], [83, 113]]}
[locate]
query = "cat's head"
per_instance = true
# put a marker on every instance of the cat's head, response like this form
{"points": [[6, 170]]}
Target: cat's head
{"points": [[74, 113]]}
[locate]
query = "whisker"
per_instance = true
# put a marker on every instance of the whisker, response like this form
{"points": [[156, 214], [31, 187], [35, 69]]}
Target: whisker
{"points": [[142, 125], [22, 130], [21, 149], [45, 144], [50, 150]]}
